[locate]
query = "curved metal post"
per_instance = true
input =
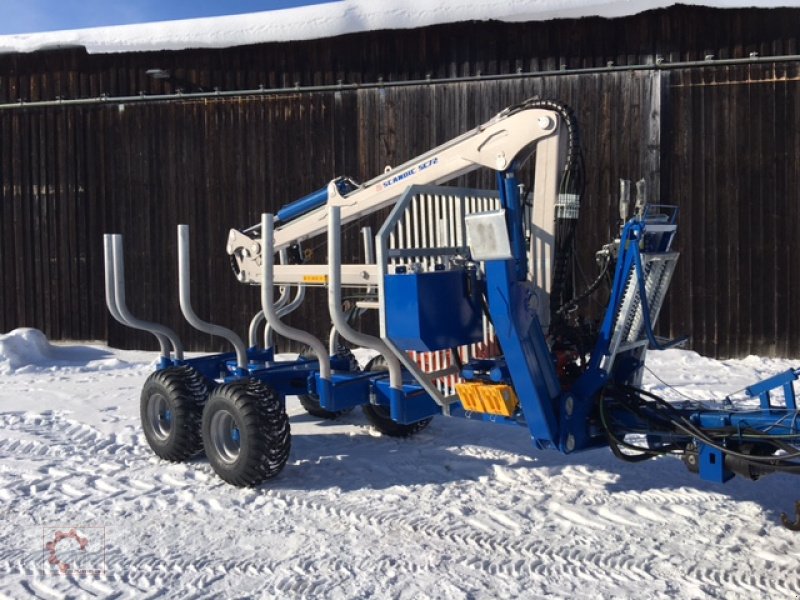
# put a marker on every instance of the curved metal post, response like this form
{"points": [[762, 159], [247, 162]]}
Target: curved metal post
{"points": [[369, 250], [299, 297], [369, 245], [335, 302], [259, 318], [186, 302], [333, 341], [115, 299], [111, 297], [267, 305], [252, 332]]}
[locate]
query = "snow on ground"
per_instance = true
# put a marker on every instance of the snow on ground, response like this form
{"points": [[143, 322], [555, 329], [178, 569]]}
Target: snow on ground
{"points": [[336, 18], [464, 510]]}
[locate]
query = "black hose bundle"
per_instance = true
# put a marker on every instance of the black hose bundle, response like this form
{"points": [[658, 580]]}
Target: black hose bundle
{"points": [[570, 190], [749, 452]]}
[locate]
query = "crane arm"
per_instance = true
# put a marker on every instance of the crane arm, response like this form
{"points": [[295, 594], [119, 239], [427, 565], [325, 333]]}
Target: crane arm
{"points": [[499, 144]]}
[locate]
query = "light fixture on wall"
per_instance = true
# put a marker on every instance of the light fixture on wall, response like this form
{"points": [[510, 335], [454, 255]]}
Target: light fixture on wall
{"points": [[157, 73], [178, 83]]}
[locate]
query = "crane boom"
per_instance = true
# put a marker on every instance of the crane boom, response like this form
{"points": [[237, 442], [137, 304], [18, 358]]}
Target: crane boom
{"points": [[499, 144]]}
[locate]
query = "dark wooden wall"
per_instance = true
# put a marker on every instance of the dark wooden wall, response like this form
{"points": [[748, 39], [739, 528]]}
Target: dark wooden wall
{"points": [[732, 143], [721, 141], [71, 174]]}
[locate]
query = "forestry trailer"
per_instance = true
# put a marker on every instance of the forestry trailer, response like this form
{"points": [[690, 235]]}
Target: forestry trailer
{"points": [[479, 319]]}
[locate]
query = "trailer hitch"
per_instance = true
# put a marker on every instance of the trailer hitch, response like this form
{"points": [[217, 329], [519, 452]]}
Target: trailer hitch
{"points": [[794, 526]]}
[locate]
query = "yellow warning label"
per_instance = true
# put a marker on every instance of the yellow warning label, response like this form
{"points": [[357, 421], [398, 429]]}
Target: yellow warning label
{"points": [[487, 398], [315, 279]]}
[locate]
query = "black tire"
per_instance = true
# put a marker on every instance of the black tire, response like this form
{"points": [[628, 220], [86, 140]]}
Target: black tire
{"points": [[379, 415], [310, 402], [246, 432], [171, 410]]}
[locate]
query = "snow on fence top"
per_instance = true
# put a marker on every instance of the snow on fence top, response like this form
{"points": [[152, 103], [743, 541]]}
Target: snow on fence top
{"points": [[332, 19]]}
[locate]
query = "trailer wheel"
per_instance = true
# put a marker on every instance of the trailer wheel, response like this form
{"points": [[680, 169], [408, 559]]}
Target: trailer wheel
{"points": [[379, 416], [171, 410], [246, 432], [310, 402]]}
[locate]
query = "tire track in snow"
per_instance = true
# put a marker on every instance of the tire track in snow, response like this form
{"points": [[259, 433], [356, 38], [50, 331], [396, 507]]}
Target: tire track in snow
{"points": [[562, 561], [55, 436], [92, 469], [768, 583], [517, 556]]}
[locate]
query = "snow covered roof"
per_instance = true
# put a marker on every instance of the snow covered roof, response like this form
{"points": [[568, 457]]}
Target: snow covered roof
{"points": [[332, 19]]}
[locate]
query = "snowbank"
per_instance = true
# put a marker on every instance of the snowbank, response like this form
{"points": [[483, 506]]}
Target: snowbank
{"points": [[23, 350], [337, 18]]}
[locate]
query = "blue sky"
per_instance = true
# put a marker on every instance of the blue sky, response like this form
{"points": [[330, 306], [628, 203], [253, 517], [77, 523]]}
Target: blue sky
{"points": [[27, 16]]}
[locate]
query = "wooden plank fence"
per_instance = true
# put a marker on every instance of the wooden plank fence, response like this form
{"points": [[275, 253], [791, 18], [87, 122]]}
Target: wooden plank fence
{"points": [[720, 140]]}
